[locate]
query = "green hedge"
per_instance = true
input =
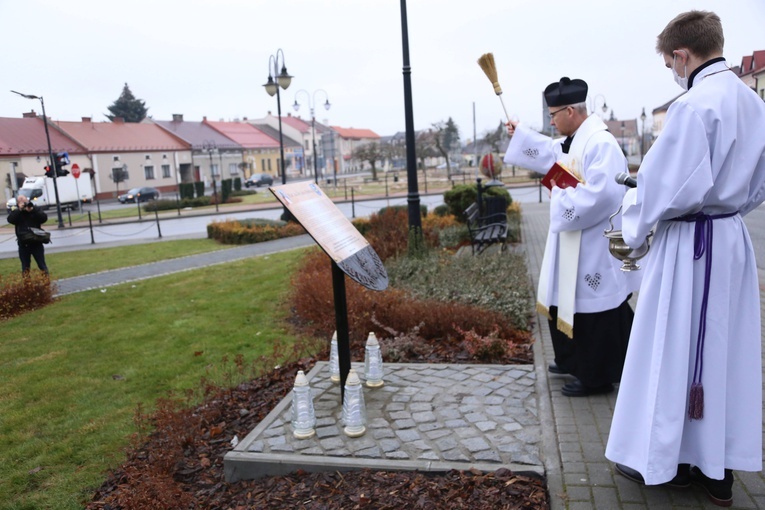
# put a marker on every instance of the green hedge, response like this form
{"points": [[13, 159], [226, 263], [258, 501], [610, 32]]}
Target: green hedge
{"points": [[249, 232], [461, 196]]}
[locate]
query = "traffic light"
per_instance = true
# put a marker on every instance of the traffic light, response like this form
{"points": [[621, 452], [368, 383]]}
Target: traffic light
{"points": [[62, 159], [48, 171]]}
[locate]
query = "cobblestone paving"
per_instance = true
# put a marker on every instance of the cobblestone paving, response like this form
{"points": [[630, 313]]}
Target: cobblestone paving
{"points": [[454, 415]]}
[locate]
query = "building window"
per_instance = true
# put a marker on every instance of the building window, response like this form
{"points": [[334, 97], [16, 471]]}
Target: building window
{"points": [[307, 147], [148, 171], [120, 174], [148, 156], [115, 158], [215, 170], [233, 169], [269, 165], [165, 171]]}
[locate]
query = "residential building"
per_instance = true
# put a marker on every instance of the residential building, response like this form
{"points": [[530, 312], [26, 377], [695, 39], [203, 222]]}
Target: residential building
{"points": [[296, 136], [752, 67], [347, 140], [24, 151], [627, 135], [213, 154], [126, 155], [260, 151]]}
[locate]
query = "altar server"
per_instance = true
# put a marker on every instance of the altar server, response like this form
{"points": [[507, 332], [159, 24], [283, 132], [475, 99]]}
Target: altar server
{"points": [[689, 407]]}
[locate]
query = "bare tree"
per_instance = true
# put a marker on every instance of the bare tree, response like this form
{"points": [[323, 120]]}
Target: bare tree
{"points": [[370, 152]]}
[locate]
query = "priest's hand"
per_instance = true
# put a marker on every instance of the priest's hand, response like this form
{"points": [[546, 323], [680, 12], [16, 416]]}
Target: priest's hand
{"points": [[552, 185], [511, 124]]}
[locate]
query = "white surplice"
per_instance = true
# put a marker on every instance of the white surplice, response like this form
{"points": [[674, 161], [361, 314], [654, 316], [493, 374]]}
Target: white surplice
{"points": [[585, 209], [709, 157]]}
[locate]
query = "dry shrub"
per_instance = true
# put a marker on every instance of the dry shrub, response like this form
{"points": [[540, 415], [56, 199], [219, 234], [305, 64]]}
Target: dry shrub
{"points": [[313, 306], [486, 348], [388, 232], [20, 294]]}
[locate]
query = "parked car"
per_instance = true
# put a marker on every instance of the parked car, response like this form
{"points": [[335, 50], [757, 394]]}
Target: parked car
{"points": [[139, 194], [259, 180]]}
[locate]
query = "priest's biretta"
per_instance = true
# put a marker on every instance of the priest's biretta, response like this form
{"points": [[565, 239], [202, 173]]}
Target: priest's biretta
{"points": [[566, 92]]}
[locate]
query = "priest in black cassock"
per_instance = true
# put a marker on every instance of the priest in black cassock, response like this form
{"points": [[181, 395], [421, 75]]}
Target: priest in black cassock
{"points": [[581, 288]]}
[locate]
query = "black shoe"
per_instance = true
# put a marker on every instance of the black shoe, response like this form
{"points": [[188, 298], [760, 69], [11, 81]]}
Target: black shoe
{"points": [[577, 389], [720, 492], [555, 369], [682, 479]]}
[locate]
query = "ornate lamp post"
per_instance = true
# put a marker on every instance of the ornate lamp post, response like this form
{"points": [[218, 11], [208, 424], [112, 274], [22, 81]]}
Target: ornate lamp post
{"points": [[283, 80], [312, 106], [595, 103], [50, 155], [211, 148]]}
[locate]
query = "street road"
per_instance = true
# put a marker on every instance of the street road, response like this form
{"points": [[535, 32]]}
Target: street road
{"points": [[196, 227]]}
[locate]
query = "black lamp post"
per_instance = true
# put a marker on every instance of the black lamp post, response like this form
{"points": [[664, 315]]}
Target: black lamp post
{"points": [[312, 106], [642, 134], [283, 81], [595, 103], [211, 148], [50, 155], [413, 196]]}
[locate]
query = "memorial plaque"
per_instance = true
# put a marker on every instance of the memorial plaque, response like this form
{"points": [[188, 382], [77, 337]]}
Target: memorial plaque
{"points": [[333, 232]]}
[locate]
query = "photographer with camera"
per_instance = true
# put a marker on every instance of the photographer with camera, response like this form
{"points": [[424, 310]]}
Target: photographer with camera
{"points": [[25, 217]]}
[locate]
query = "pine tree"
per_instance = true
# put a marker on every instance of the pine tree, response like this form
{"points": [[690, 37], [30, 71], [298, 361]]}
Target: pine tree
{"points": [[128, 107]]}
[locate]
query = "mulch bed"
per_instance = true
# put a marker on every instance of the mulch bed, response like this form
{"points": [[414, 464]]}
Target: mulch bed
{"points": [[180, 466]]}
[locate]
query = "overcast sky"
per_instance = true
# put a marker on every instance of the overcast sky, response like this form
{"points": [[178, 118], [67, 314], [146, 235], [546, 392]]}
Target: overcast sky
{"points": [[211, 58]]}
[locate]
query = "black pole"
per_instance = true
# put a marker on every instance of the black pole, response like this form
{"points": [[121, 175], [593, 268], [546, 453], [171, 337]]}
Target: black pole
{"points": [[138, 205], [413, 196], [90, 224], [98, 206], [341, 325], [69, 215], [313, 136], [156, 217], [286, 214], [52, 166], [353, 205]]}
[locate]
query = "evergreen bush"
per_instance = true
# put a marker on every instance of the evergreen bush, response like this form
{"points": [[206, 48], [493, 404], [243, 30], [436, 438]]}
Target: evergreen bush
{"points": [[199, 188]]}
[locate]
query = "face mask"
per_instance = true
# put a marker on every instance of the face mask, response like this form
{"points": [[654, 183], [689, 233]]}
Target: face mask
{"points": [[683, 82]]}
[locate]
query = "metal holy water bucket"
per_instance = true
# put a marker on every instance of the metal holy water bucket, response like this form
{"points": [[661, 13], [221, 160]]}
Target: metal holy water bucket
{"points": [[621, 250]]}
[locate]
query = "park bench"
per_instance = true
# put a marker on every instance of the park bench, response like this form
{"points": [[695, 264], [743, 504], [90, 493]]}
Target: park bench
{"points": [[490, 227]]}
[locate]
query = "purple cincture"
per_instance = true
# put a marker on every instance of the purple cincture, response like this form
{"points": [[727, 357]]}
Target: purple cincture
{"points": [[702, 243]]}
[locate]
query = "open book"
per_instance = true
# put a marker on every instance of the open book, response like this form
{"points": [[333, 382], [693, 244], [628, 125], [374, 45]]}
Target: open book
{"points": [[563, 177]]}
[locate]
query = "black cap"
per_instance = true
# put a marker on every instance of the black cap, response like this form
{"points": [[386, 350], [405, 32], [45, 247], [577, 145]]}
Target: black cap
{"points": [[566, 92]]}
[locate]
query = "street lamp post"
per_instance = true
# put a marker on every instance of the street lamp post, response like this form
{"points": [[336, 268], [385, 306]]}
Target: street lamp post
{"points": [[282, 80], [595, 103], [50, 155], [211, 148], [642, 134], [312, 107]]}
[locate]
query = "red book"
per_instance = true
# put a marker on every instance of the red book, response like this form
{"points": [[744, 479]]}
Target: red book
{"points": [[562, 176]]}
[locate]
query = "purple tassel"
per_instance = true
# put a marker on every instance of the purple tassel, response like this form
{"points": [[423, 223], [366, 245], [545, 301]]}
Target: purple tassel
{"points": [[696, 404]]}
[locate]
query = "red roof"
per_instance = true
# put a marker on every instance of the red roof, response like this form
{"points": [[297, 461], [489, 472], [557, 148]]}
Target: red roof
{"points": [[297, 123], [353, 133], [27, 136], [121, 136], [245, 134], [752, 63]]}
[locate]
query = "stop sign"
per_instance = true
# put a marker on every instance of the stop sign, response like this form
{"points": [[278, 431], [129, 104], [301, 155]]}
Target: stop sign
{"points": [[76, 170]]}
